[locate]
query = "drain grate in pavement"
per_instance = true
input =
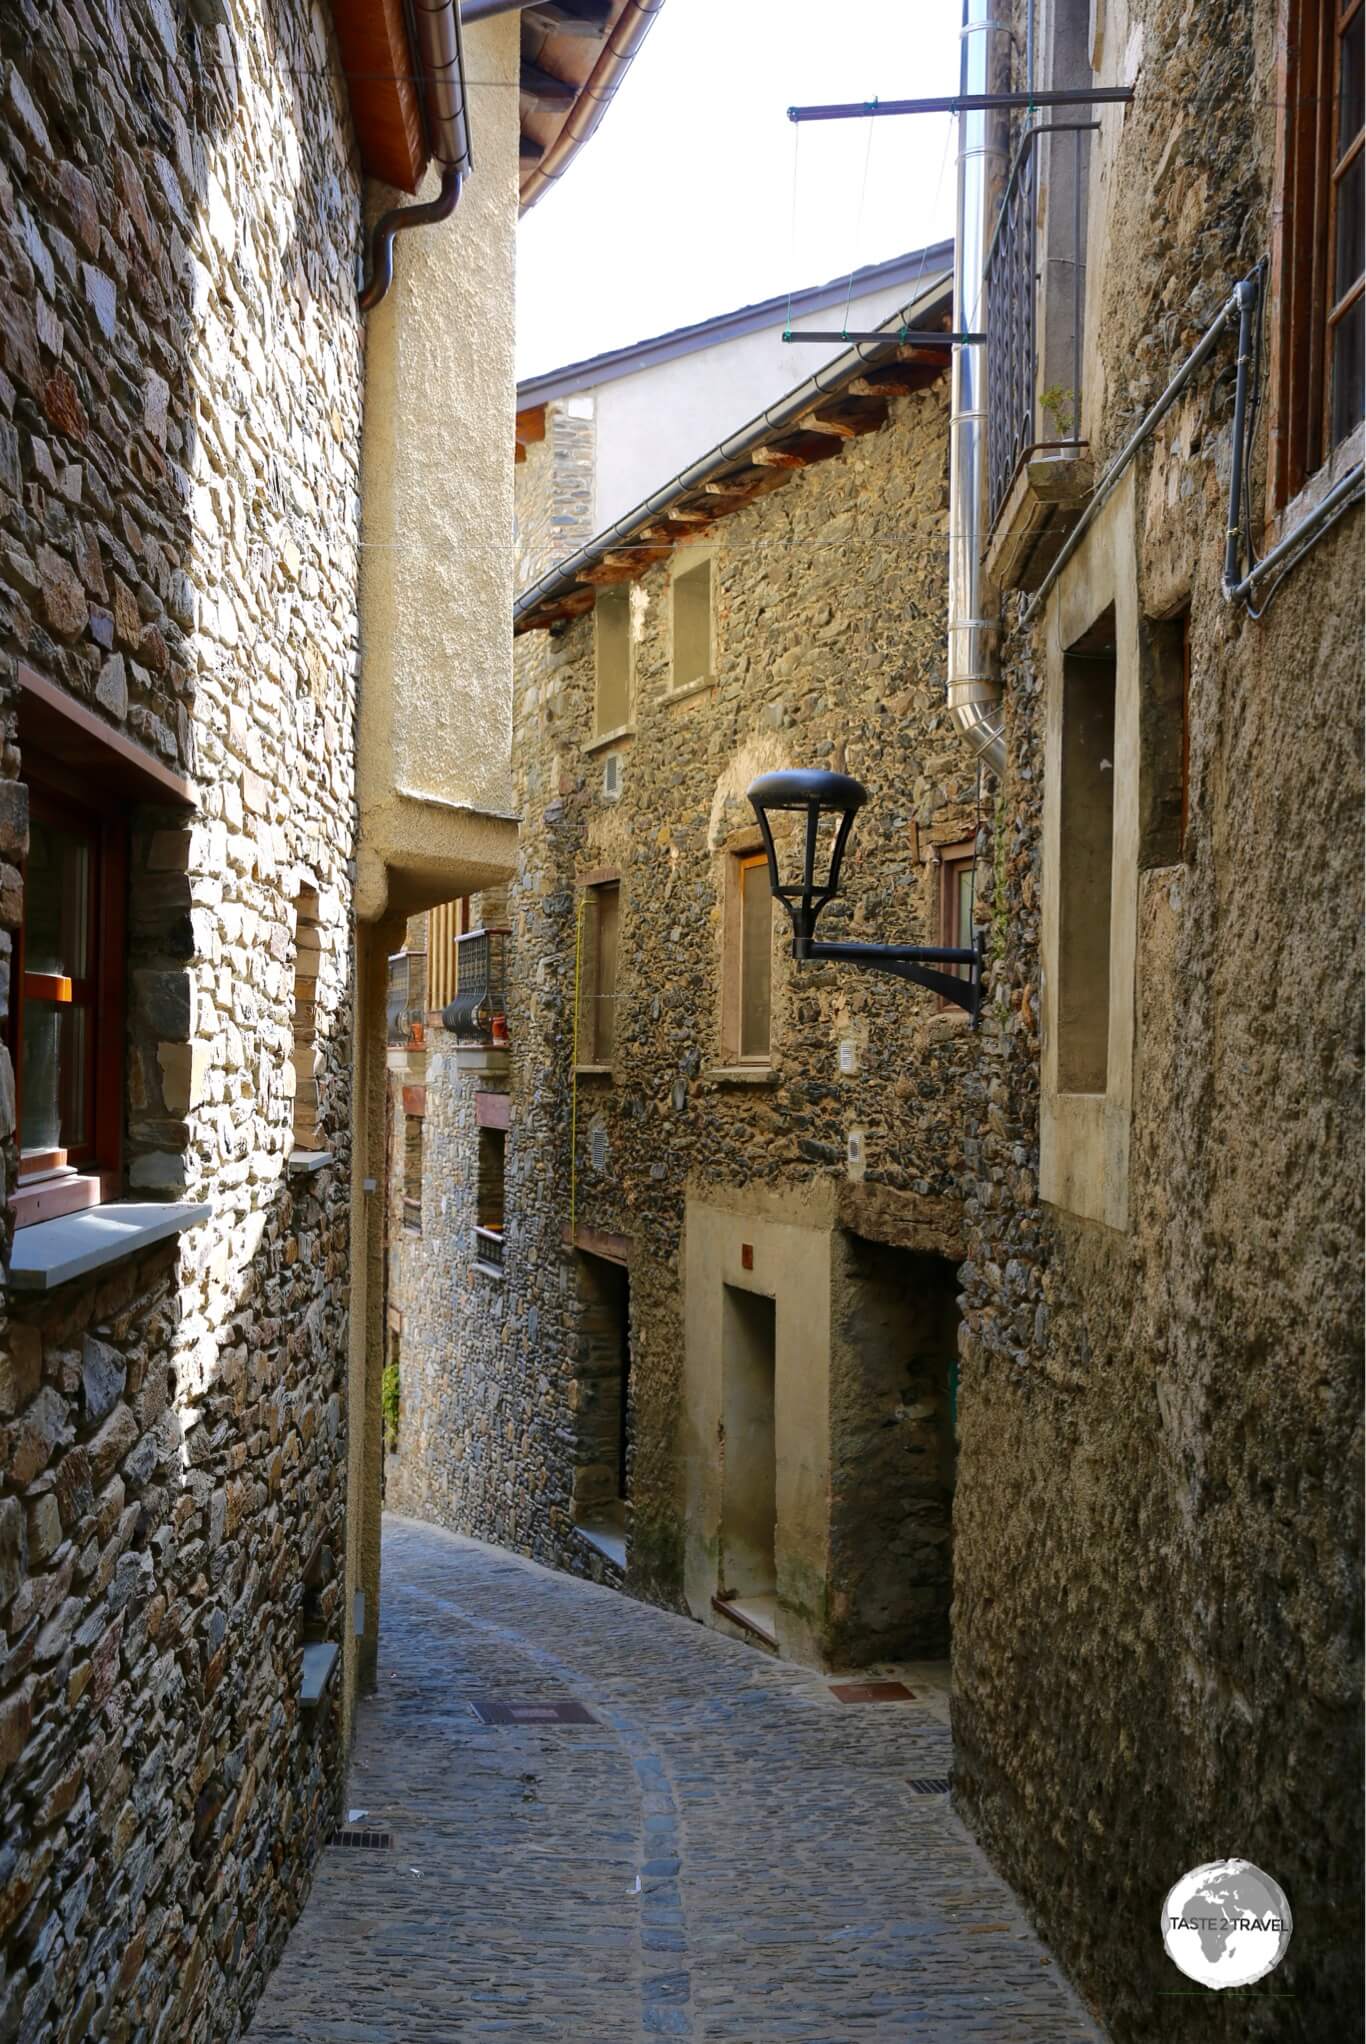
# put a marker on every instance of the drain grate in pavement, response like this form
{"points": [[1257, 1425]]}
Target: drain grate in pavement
{"points": [[561, 1711], [871, 1692], [374, 1841], [928, 1784]]}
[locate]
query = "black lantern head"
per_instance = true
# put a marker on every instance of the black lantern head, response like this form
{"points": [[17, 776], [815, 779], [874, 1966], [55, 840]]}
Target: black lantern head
{"points": [[828, 803]]}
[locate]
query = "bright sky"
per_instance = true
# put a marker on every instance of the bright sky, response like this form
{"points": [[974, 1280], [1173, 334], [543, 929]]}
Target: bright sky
{"points": [[682, 204]]}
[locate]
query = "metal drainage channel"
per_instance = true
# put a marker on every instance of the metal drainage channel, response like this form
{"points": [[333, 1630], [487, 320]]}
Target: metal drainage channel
{"points": [[373, 1841], [928, 1784]]}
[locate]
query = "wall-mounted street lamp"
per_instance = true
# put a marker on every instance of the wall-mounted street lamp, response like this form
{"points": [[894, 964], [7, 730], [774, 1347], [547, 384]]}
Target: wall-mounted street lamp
{"points": [[828, 804]]}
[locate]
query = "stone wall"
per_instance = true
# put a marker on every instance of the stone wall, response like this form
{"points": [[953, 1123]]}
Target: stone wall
{"points": [[180, 364], [1157, 1529], [830, 638]]}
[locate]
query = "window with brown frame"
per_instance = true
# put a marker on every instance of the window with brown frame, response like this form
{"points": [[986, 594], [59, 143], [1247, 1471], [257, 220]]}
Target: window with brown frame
{"points": [[67, 1020], [1319, 273], [957, 883], [598, 974], [753, 1031]]}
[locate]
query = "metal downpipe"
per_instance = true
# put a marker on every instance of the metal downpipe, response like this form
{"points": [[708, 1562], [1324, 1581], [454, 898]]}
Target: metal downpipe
{"points": [[974, 680], [441, 58]]}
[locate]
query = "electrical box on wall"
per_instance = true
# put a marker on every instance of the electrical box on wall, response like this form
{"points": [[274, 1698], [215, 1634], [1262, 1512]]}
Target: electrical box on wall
{"points": [[848, 1056]]}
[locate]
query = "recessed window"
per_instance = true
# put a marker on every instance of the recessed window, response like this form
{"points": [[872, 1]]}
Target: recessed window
{"points": [[489, 1197], [1086, 853], [598, 973], [67, 1027], [957, 886], [307, 957], [755, 961], [693, 657], [612, 695], [412, 1173], [1319, 289]]}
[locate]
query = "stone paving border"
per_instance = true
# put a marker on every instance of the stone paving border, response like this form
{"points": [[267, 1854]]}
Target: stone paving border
{"points": [[726, 1853]]}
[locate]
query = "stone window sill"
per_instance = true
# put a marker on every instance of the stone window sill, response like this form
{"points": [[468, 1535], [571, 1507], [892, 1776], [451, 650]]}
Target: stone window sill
{"points": [[303, 1163], [489, 1270], [604, 740], [607, 1536], [51, 1253], [320, 1664], [593, 1071], [688, 688], [741, 1075]]}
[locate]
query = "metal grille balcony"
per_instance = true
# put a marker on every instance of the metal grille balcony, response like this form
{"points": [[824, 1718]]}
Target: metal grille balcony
{"points": [[407, 998], [488, 1247], [1022, 418], [1011, 294], [478, 1014]]}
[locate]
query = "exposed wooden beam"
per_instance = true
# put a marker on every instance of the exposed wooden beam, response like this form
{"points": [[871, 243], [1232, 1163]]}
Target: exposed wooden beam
{"points": [[570, 17], [846, 420], [801, 452], [542, 88], [531, 424]]}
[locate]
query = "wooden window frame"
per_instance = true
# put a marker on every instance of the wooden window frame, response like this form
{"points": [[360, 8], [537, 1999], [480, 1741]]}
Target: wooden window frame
{"points": [[602, 730], [593, 1055], [950, 859], [739, 859], [1310, 169], [692, 560], [56, 1182]]}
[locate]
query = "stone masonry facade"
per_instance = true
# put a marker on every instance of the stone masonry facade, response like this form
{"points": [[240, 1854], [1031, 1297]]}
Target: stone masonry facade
{"points": [[829, 643], [180, 395], [1158, 1509]]}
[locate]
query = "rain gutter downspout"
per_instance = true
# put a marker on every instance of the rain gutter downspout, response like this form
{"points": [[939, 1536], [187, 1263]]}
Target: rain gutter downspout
{"points": [[559, 580], [974, 679], [595, 96], [441, 61]]}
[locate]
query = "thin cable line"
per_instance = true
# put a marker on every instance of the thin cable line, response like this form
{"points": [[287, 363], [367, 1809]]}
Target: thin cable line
{"points": [[862, 204]]}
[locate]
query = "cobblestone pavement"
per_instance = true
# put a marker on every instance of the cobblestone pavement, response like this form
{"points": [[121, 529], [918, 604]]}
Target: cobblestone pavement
{"points": [[725, 1852]]}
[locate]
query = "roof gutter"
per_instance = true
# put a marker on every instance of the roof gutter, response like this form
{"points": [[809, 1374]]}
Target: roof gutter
{"points": [[441, 63], [560, 580], [595, 94]]}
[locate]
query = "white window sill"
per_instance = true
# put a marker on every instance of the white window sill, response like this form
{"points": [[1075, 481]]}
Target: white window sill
{"points": [[593, 1071], [741, 1075], [604, 740], [320, 1662], [608, 1537], [302, 1163], [51, 1253]]}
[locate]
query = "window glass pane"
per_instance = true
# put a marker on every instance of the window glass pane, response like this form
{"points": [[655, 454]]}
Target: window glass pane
{"points": [[57, 881], [1349, 369], [692, 624], [53, 1089], [612, 707], [604, 1023], [1351, 225], [963, 881], [1351, 97], [756, 959]]}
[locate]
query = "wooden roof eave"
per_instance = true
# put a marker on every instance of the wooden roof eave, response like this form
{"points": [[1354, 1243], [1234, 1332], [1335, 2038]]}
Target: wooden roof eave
{"points": [[381, 84]]}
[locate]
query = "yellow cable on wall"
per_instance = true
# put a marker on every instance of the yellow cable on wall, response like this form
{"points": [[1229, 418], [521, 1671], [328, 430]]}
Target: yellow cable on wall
{"points": [[574, 1076]]}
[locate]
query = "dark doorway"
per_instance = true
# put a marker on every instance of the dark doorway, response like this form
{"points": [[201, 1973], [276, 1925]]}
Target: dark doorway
{"points": [[749, 1505], [602, 1470], [893, 1455]]}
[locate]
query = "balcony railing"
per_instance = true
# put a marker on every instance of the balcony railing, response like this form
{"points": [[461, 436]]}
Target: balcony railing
{"points": [[488, 1247], [407, 998], [478, 1014], [1020, 416]]}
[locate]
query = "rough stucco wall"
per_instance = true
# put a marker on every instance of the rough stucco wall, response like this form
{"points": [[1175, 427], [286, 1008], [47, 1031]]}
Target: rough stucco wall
{"points": [[437, 574], [830, 628], [179, 438], [1158, 1516]]}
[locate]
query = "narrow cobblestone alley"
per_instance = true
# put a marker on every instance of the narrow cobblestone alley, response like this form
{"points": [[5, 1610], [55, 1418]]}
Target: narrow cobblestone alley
{"points": [[724, 1852]]}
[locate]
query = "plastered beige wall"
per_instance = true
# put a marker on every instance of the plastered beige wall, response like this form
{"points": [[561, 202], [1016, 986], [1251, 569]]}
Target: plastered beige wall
{"points": [[434, 772], [1084, 1137], [791, 1242]]}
